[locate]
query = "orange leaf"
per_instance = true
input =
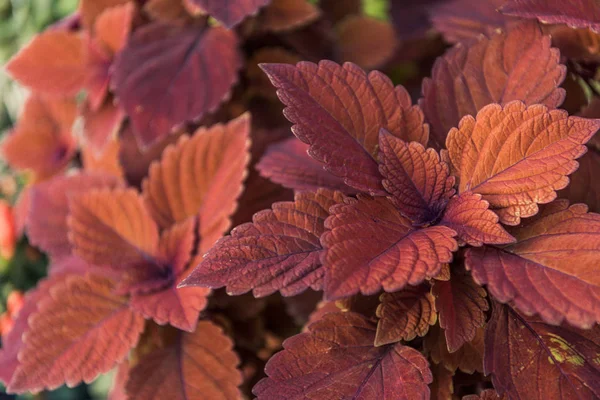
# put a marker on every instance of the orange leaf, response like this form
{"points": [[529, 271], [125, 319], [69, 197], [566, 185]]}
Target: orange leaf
{"points": [[113, 26]]}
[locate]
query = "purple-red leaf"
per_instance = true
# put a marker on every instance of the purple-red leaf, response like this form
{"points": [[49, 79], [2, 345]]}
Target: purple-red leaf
{"points": [[80, 331], [575, 13], [405, 314], [339, 110], [419, 182], [469, 358], [158, 95], [336, 360], [530, 359], [285, 15], [279, 250], [514, 65], [371, 246], [552, 270], [531, 148], [228, 12]]}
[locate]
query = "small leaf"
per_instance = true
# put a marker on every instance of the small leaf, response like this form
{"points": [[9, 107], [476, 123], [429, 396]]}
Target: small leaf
{"points": [[405, 314], [113, 26], [469, 215], [107, 162], [418, 181], [561, 362], [101, 125], [371, 246], [339, 110], [91, 10], [227, 12], [461, 304], [80, 332], [336, 359], [194, 366], [575, 13], [442, 387], [157, 95], [279, 250], [469, 358], [284, 15], [531, 147], [515, 65], [488, 394], [365, 41], [552, 270]]}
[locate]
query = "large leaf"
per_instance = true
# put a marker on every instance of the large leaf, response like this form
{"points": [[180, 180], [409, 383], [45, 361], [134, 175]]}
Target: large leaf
{"points": [[531, 147], [514, 65], [419, 182], [203, 176], [336, 359], [553, 268], [193, 366], [530, 359], [79, 332], [228, 12], [188, 71], [279, 250], [339, 110], [576, 13], [371, 246]]}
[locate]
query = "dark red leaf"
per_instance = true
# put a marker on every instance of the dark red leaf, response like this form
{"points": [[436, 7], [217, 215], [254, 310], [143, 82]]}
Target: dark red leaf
{"points": [[228, 12], [288, 164], [194, 366], [405, 314], [461, 304], [584, 186], [279, 250], [158, 95], [514, 65], [420, 183], [551, 270], [469, 215], [371, 246], [530, 359], [411, 17], [336, 10], [283, 15], [336, 359], [533, 148], [338, 107], [575, 13], [469, 358], [79, 331], [442, 387]]}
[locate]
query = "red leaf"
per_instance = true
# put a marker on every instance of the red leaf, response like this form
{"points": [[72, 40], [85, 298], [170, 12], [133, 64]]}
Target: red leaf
{"points": [[194, 366], [101, 125], [469, 358], [533, 148], [288, 164], [442, 387], [113, 26], [371, 246], [418, 181], [462, 305], [279, 250], [285, 15], [121, 376], [201, 175], [79, 332], [488, 394], [49, 208], [514, 65], [90, 10], [336, 359], [107, 162], [561, 362], [112, 227], [228, 12], [553, 268], [158, 95], [575, 13], [42, 141], [404, 315], [335, 10], [52, 63], [98, 62], [342, 108], [475, 224]]}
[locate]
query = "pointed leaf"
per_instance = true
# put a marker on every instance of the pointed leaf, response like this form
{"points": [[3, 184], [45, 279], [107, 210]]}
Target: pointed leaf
{"points": [[52, 63], [469, 215], [420, 183], [561, 362], [531, 147], [284, 15], [201, 175], [461, 304], [404, 315], [514, 65], [81, 331], [371, 246], [336, 359], [195, 366], [47, 220], [366, 41], [112, 227], [342, 108], [279, 250], [552, 270], [157, 95], [227, 12], [113, 26], [575, 13], [90, 10], [288, 164], [469, 358]]}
